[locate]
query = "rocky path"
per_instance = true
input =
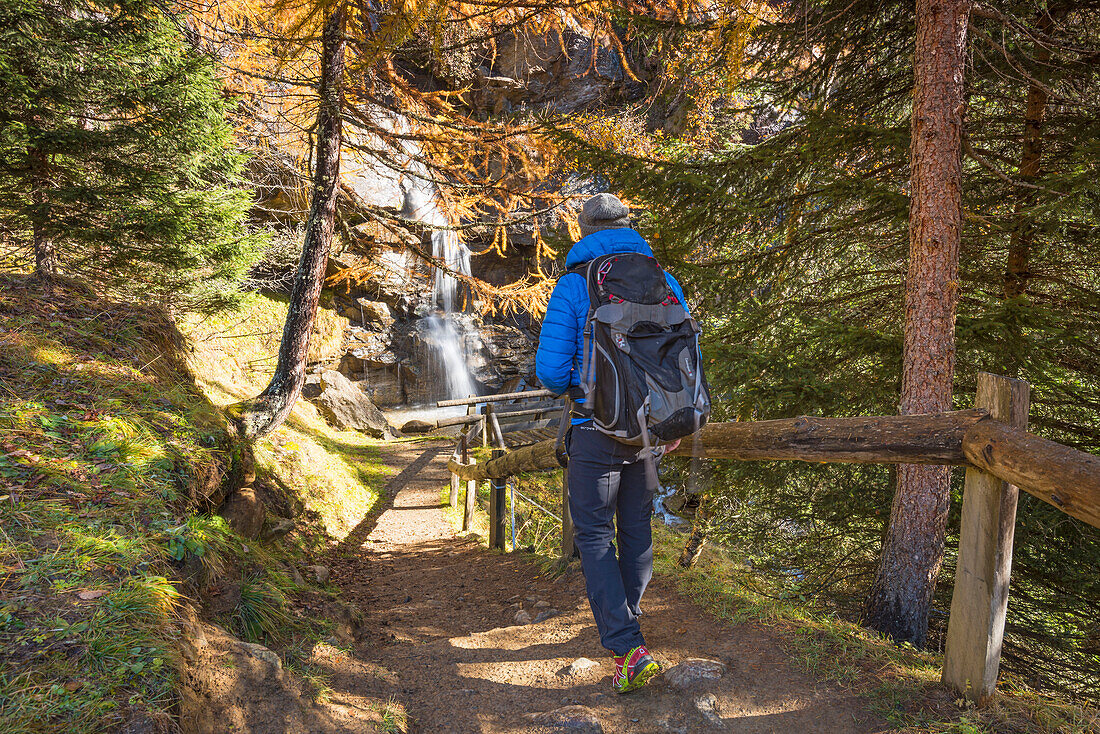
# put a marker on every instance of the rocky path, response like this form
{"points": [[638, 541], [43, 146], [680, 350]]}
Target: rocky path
{"points": [[448, 637]]}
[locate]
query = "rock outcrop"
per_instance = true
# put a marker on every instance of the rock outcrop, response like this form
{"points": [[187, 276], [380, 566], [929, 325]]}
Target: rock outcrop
{"points": [[344, 405], [379, 287], [244, 512]]}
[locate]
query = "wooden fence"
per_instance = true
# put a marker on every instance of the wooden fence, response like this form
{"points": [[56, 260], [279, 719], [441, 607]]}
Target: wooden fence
{"points": [[487, 420], [990, 440]]}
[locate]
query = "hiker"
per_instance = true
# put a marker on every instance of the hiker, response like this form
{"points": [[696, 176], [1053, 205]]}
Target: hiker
{"points": [[611, 477]]}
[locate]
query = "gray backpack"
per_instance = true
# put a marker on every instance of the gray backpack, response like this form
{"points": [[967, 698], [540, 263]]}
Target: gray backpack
{"points": [[642, 379], [642, 375]]}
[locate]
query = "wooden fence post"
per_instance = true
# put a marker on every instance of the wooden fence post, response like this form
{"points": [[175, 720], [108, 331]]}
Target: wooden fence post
{"points": [[976, 627], [496, 508], [471, 491], [453, 499], [568, 549], [485, 411]]}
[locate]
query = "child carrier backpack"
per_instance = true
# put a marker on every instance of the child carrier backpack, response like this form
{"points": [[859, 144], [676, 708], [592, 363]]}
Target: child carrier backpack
{"points": [[642, 377]]}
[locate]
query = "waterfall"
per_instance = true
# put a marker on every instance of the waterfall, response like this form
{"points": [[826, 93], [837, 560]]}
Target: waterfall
{"points": [[446, 332], [448, 344]]}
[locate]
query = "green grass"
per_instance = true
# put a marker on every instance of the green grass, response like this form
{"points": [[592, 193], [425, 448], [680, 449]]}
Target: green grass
{"points": [[336, 474], [101, 445], [109, 441], [392, 717], [262, 612], [899, 683]]}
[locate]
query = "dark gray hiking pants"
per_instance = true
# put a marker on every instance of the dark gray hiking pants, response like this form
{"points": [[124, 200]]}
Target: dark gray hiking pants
{"points": [[607, 483]]}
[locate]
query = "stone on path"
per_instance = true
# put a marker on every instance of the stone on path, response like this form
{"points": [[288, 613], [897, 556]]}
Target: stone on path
{"points": [[569, 718], [673, 724], [707, 705], [546, 614], [694, 670], [417, 426], [321, 573], [579, 667], [275, 528], [522, 617], [259, 652]]}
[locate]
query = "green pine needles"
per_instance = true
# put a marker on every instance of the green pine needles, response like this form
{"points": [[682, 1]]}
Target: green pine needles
{"points": [[117, 165], [790, 231]]}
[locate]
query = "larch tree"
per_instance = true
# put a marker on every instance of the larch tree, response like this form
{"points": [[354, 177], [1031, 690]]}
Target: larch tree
{"points": [[484, 171], [270, 408]]}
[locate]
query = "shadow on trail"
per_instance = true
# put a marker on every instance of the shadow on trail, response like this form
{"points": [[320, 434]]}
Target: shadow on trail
{"points": [[441, 636], [359, 533]]}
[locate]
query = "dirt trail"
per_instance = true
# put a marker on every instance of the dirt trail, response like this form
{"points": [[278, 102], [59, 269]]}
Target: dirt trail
{"points": [[442, 639]]}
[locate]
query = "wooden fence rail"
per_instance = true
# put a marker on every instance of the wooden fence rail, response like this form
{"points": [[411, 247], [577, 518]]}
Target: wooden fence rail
{"points": [[464, 420], [991, 440], [499, 397], [918, 439], [1065, 477]]}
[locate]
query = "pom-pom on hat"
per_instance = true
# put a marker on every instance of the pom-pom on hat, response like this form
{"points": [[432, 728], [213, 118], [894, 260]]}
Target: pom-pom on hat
{"points": [[603, 211]]}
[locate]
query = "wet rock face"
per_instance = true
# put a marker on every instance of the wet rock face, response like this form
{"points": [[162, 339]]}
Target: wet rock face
{"points": [[552, 72], [401, 365], [498, 353], [375, 313]]}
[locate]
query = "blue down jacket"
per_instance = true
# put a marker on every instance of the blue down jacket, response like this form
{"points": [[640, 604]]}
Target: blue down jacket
{"points": [[561, 345]]}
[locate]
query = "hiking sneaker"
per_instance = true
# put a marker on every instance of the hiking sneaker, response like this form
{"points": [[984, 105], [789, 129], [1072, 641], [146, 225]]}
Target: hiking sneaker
{"points": [[633, 670]]}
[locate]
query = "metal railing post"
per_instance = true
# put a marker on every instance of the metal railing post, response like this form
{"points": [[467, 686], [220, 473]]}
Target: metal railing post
{"points": [[568, 548], [496, 508]]}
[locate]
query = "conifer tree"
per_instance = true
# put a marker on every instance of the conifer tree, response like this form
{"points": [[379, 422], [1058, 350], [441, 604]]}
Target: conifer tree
{"points": [[793, 234], [912, 553], [117, 166]]}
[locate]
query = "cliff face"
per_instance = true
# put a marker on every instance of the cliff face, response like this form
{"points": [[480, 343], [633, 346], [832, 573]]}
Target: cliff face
{"points": [[375, 278]]}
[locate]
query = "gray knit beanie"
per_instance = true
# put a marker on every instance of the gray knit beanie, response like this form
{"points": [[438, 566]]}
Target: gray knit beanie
{"points": [[603, 211]]}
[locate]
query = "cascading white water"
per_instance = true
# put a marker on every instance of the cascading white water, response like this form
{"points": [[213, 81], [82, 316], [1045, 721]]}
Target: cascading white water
{"points": [[448, 343], [445, 332]]}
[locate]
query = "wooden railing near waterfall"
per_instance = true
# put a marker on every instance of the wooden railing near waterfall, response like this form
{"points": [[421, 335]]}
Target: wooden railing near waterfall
{"points": [[990, 440]]}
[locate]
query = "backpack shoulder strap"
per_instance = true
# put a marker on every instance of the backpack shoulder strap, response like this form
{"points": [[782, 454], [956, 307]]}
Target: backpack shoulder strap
{"points": [[585, 270]]}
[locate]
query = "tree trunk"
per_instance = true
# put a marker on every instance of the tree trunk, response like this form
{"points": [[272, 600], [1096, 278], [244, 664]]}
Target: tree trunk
{"points": [[45, 250], [912, 553], [1017, 266], [270, 408]]}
